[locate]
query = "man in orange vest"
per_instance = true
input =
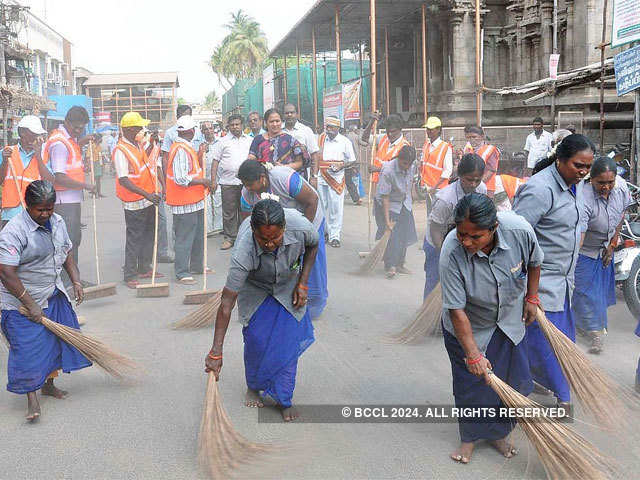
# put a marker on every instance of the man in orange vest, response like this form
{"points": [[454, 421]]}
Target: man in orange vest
{"points": [[63, 151], [506, 188], [185, 190], [489, 153], [389, 144], [135, 186], [26, 160], [437, 158]]}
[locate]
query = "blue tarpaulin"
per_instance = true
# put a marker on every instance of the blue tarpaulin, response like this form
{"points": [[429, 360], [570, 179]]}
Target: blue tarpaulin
{"points": [[65, 102]]}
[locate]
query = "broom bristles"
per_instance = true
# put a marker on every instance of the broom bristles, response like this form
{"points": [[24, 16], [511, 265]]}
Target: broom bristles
{"points": [[220, 447], [564, 453], [375, 255], [203, 316], [425, 323], [598, 393], [112, 362]]}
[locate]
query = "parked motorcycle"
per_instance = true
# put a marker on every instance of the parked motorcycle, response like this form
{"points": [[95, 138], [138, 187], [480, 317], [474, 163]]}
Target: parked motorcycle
{"points": [[627, 258]]}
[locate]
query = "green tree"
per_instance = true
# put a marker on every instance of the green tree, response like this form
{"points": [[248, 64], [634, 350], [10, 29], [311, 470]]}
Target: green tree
{"points": [[242, 51], [212, 101], [181, 101]]}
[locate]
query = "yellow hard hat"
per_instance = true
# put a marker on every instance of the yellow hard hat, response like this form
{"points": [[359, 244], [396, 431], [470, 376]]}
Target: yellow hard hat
{"points": [[133, 119], [432, 122]]}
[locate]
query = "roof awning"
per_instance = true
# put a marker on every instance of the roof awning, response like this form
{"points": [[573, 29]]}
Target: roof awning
{"points": [[354, 24]]}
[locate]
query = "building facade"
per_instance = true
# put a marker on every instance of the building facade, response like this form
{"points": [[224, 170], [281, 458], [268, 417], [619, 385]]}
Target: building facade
{"points": [[151, 94]]}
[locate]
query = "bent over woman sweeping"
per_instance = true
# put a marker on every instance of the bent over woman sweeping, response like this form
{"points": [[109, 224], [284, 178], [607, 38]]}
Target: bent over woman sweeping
{"points": [[270, 267], [34, 248]]}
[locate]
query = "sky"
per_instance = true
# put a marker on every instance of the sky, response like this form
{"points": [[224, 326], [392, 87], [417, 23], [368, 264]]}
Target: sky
{"points": [[115, 36]]}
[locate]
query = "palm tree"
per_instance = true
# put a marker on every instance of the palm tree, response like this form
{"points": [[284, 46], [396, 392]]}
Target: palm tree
{"points": [[212, 101], [242, 52]]}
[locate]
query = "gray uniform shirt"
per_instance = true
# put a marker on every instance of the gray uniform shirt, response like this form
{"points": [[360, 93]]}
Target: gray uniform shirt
{"points": [[397, 184], [256, 274], [444, 205], [280, 185], [553, 210], [490, 289], [601, 217], [38, 254]]}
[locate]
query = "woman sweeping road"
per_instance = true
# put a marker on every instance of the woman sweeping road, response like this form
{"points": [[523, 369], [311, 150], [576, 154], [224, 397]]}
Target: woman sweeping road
{"points": [[394, 211], [440, 219], [34, 248], [293, 191], [551, 202], [489, 270], [270, 281], [606, 197]]}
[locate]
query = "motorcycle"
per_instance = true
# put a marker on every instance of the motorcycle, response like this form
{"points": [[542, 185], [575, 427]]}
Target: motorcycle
{"points": [[627, 258]]}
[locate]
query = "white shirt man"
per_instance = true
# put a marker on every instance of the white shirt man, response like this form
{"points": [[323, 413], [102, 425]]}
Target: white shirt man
{"points": [[337, 152], [228, 154], [538, 144]]}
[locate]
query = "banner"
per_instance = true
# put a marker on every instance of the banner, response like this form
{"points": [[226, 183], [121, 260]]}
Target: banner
{"points": [[351, 101], [627, 68], [554, 59], [626, 22], [268, 89], [102, 118], [332, 103]]}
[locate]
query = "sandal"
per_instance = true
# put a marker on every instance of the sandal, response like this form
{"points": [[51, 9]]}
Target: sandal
{"points": [[187, 281], [132, 284], [150, 275]]}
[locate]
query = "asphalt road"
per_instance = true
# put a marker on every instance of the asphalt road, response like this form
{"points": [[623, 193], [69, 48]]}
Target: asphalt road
{"points": [[106, 430]]}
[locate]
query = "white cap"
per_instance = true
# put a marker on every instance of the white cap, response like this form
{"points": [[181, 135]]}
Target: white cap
{"points": [[32, 123], [185, 122]]}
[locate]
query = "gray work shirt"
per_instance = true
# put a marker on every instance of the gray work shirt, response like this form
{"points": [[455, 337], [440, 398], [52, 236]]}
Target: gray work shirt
{"points": [[444, 206], [256, 274], [490, 289], [282, 185], [397, 184], [38, 254], [601, 216], [553, 210]]}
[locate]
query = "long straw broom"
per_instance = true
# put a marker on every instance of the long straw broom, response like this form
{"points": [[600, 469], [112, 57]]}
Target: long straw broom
{"points": [[374, 147], [220, 447], [112, 362], [425, 323], [599, 394], [564, 453], [375, 255], [204, 316]]}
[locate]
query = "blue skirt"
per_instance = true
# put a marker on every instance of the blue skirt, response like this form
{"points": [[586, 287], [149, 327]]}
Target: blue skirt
{"points": [[318, 291], [431, 267], [509, 362], [273, 342], [34, 351], [544, 365], [595, 292]]}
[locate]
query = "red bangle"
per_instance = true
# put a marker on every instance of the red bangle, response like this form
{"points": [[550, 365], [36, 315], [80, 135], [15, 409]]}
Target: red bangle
{"points": [[304, 287], [215, 357], [475, 360], [535, 299]]}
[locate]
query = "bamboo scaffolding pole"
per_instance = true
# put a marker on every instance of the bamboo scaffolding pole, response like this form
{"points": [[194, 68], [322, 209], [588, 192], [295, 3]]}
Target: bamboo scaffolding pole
{"points": [[478, 74], [338, 50], [425, 95]]}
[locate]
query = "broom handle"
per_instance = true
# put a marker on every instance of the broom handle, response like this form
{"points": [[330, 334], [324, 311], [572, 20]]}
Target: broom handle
{"points": [[372, 162], [95, 217], [15, 181], [154, 161], [204, 257]]}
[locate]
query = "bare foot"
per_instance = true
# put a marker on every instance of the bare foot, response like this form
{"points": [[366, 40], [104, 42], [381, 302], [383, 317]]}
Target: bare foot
{"points": [[289, 414], [505, 448], [51, 390], [252, 399], [33, 407], [463, 453]]}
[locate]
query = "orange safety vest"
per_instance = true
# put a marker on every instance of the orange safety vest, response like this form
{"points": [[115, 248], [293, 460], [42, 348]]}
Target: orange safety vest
{"points": [[75, 167], [486, 151], [385, 153], [433, 163], [141, 173], [10, 195], [178, 195], [511, 185]]}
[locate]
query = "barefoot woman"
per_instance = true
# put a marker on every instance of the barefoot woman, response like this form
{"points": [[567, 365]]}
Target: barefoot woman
{"points": [[489, 270], [269, 279], [34, 247]]}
